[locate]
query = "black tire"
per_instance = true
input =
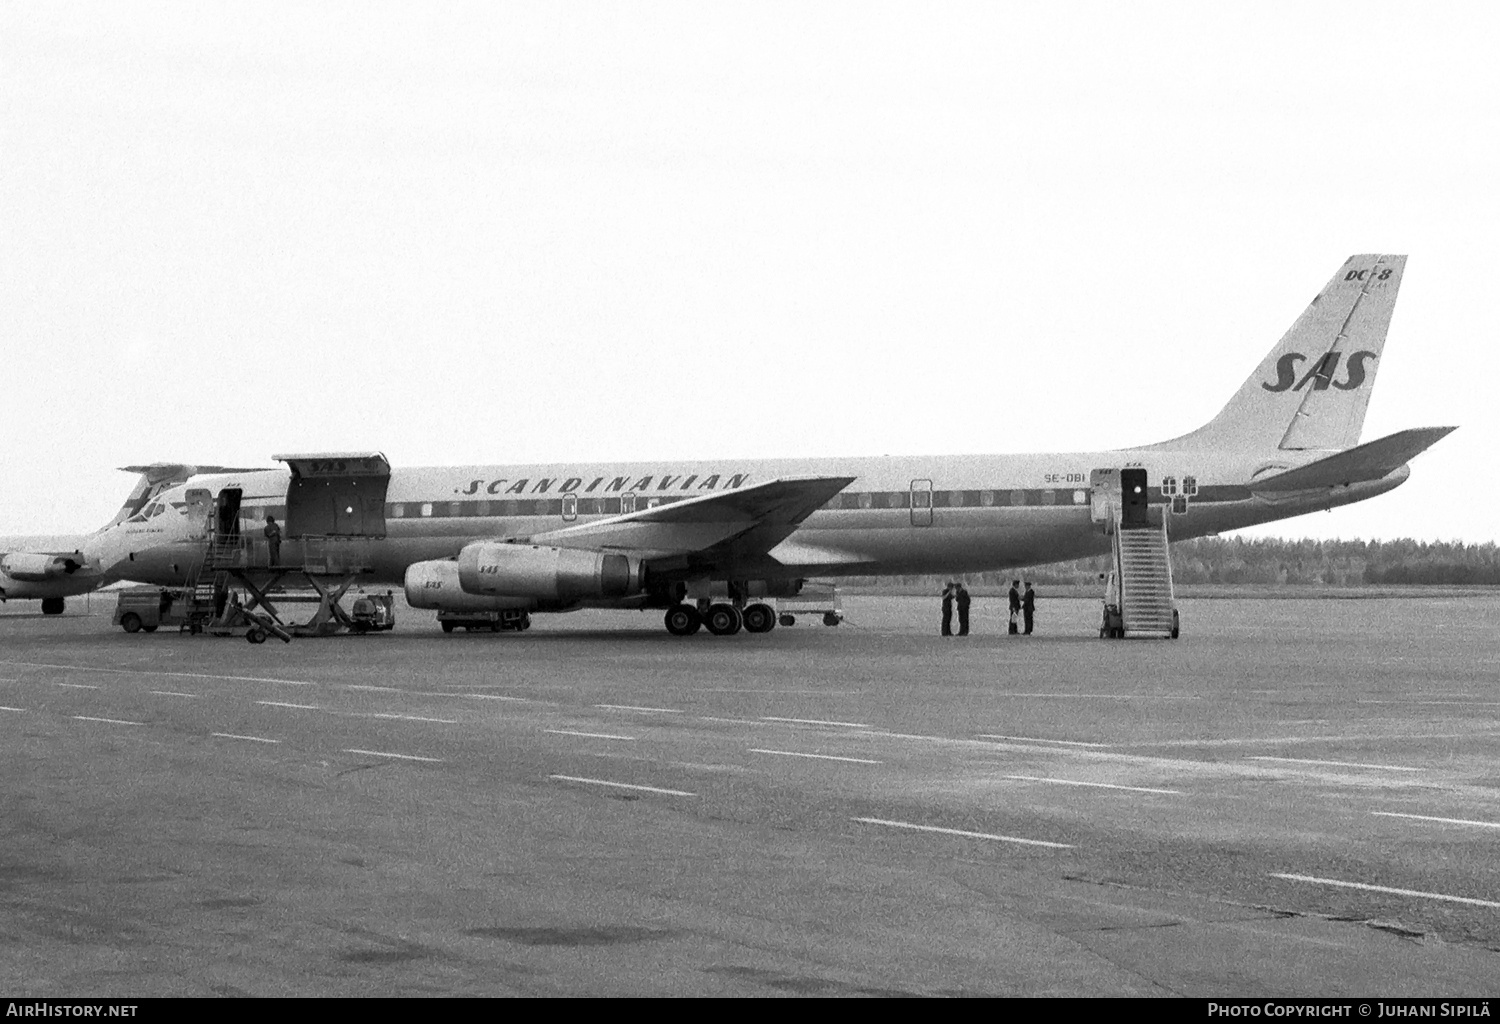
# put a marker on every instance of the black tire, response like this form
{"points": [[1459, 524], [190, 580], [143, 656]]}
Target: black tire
{"points": [[724, 620], [447, 626], [759, 618], [130, 622], [148, 629], [255, 635], [682, 620], [53, 605], [831, 619], [788, 620]]}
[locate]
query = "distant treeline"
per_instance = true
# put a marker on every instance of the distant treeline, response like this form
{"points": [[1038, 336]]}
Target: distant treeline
{"points": [[1274, 561]]}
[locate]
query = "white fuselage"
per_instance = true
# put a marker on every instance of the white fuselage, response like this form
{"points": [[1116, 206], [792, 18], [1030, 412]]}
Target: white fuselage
{"points": [[985, 511]]}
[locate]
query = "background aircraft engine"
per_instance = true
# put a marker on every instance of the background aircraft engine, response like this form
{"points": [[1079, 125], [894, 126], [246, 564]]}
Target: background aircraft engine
{"points": [[546, 573], [36, 568], [435, 585]]}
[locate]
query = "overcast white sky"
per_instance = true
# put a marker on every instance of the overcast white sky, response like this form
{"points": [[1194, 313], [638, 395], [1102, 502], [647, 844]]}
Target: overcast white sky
{"points": [[590, 231]]}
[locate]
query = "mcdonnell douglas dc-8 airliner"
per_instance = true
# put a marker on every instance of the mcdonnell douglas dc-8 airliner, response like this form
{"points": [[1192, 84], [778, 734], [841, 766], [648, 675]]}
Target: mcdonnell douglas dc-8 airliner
{"points": [[704, 541]]}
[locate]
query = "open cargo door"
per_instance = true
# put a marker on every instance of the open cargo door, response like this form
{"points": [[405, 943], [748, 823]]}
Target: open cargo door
{"points": [[336, 494]]}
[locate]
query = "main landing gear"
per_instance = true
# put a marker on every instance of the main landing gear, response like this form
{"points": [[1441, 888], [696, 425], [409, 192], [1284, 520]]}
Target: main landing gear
{"points": [[721, 619]]}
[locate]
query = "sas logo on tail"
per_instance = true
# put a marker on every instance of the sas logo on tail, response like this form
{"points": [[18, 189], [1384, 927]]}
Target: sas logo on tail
{"points": [[1321, 373]]}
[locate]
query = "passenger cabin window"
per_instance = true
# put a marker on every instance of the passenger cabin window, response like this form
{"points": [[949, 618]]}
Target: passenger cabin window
{"points": [[986, 498], [426, 509], [1018, 497]]}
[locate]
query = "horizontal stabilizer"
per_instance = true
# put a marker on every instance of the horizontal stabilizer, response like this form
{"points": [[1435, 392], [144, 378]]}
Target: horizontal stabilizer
{"points": [[1370, 461], [178, 472]]}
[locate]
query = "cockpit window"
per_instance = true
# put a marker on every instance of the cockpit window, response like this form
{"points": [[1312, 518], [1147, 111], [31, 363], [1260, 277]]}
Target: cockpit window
{"points": [[151, 511]]}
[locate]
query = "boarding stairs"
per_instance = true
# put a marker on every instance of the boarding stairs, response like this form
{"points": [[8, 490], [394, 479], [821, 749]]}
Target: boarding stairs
{"points": [[209, 578], [1143, 571]]}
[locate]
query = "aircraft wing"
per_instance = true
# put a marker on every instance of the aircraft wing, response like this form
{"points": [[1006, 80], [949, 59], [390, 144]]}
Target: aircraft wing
{"points": [[1364, 462], [745, 522]]}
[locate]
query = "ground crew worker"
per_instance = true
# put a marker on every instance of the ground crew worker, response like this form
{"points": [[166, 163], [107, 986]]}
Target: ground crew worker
{"points": [[948, 610], [1028, 606], [1015, 605], [273, 539], [962, 597]]}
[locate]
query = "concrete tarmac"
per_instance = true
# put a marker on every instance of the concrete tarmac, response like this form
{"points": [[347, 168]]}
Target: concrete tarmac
{"points": [[1296, 798]]}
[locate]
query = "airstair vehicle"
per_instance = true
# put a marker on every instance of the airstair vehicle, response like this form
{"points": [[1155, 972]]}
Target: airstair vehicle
{"points": [[335, 512], [1139, 599]]}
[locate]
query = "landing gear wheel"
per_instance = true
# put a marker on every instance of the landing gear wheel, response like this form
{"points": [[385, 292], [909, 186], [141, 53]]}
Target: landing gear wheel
{"points": [[788, 620], [723, 620], [52, 606], [832, 619], [759, 618], [683, 620], [447, 626], [149, 629], [130, 622], [256, 635]]}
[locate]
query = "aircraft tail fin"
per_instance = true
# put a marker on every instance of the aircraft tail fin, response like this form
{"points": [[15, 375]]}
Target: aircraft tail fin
{"points": [[1312, 389], [157, 477]]}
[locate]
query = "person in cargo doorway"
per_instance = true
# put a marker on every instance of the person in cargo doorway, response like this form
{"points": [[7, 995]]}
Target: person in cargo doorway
{"points": [[273, 540]]}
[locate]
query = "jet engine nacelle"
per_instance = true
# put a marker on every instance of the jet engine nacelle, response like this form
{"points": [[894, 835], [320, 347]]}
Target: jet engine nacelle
{"points": [[547, 573], [27, 567], [435, 585]]}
